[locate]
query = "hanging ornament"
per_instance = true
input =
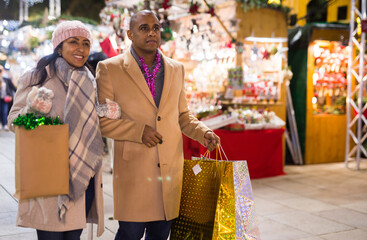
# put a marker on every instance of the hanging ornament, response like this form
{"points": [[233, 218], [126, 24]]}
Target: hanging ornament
{"points": [[266, 54], [239, 47], [167, 34], [166, 4], [194, 8], [254, 49], [211, 10], [273, 50]]}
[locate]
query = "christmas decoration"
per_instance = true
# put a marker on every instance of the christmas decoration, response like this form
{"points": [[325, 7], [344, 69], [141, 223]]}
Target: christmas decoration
{"points": [[239, 47], [167, 34], [194, 8], [254, 48], [31, 121], [151, 77], [211, 10], [166, 4], [266, 54]]}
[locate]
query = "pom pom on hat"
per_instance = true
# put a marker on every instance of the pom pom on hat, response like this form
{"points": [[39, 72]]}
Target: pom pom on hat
{"points": [[69, 29]]}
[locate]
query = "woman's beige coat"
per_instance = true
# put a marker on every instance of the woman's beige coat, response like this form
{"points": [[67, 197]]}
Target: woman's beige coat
{"points": [[41, 213], [146, 181]]}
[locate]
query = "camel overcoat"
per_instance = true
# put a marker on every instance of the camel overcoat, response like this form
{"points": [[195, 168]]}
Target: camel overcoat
{"points": [[41, 213], [147, 182]]}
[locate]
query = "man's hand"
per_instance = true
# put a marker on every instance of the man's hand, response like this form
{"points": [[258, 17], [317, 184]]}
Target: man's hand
{"points": [[211, 140], [151, 137]]}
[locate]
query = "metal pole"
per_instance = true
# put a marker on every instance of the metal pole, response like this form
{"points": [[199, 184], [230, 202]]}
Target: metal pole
{"points": [[20, 11], [25, 10], [349, 78], [52, 9], [356, 70], [361, 80], [293, 127], [58, 8]]}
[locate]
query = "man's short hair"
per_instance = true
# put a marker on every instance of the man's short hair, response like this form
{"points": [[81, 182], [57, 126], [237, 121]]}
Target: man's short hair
{"points": [[142, 12]]}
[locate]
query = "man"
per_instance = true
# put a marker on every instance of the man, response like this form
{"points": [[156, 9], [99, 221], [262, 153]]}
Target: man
{"points": [[148, 154]]}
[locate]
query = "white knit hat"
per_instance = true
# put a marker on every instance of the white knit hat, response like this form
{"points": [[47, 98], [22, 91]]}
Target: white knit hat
{"points": [[69, 29]]}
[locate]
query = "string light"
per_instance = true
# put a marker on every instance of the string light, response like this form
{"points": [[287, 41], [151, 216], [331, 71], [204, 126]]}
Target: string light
{"points": [[274, 1]]}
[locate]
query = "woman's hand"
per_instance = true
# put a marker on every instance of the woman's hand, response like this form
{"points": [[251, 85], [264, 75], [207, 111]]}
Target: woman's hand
{"points": [[40, 99], [110, 109]]}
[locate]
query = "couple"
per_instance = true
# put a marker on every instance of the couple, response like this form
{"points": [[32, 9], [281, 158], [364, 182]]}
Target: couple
{"points": [[147, 88]]}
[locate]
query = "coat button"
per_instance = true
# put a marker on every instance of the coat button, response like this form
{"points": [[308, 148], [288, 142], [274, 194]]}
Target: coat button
{"points": [[101, 185], [159, 118], [159, 165]]}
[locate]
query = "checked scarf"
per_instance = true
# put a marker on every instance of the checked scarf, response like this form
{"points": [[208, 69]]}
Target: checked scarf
{"points": [[85, 139]]}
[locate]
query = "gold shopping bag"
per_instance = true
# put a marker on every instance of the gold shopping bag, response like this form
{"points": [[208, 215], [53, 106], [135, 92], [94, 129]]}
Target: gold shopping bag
{"points": [[41, 161], [227, 196]]}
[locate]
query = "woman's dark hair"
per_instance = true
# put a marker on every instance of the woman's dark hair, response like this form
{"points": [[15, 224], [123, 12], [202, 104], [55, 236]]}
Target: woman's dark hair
{"points": [[40, 73]]}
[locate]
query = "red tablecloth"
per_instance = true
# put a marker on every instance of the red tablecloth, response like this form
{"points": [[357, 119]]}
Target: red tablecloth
{"points": [[262, 149]]}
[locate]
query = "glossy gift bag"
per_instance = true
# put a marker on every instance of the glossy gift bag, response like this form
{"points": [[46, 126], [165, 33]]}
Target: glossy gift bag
{"points": [[41, 161], [216, 202]]}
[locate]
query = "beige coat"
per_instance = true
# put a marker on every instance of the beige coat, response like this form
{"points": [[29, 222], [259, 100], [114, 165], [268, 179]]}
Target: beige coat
{"points": [[41, 213], [146, 181]]}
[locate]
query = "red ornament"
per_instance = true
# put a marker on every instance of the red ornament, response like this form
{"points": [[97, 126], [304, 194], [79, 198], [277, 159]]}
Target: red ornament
{"points": [[211, 10], [166, 4], [266, 54], [194, 8]]}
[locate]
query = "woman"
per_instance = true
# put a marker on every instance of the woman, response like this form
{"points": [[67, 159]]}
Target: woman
{"points": [[63, 75], [7, 90]]}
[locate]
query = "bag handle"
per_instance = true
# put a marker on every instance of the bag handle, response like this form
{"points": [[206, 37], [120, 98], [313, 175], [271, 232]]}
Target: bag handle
{"points": [[206, 154], [219, 150]]}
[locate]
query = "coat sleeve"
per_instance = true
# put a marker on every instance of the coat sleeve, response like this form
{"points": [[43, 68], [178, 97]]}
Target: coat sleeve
{"points": [[20, 99], [117, 129], [190, 125]]}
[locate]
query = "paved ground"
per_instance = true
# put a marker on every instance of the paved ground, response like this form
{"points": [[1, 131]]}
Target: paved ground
{"points": [[313, 202]]}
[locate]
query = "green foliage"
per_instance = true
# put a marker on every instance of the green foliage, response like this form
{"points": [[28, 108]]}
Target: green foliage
{"points": [[33, 42], [86, 9]]}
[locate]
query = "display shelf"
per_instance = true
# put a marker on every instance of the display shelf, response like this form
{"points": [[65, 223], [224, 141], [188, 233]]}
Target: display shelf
{"points": [[251, 103]]}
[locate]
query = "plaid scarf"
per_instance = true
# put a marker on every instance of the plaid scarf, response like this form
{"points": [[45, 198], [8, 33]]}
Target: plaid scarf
{"points": [[85, 139]]}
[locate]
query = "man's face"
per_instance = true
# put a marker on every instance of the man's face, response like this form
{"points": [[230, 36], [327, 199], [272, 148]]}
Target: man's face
{"points": [[145, 34]]}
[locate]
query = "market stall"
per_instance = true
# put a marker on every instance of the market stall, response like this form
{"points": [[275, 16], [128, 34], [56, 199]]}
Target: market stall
{"points": [[318, 56], [243, 95]]}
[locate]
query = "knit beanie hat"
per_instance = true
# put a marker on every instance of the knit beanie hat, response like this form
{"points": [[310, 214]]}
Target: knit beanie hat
{"points": [[69, 29]]}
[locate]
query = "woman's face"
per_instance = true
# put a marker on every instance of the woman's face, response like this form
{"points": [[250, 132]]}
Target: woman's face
{"points": [[75, 51]]}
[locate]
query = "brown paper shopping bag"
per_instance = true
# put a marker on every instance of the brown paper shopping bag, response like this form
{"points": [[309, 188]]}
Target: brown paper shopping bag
{"points": [[229, 211], [41, 161]]}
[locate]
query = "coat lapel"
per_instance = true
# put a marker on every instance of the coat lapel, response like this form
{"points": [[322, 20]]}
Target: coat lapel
{"points": [[137, 76], [168, 76]]}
